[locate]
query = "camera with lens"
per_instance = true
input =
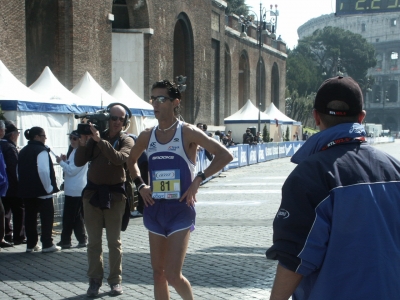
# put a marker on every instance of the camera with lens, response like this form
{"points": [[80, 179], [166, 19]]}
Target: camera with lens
{"points": [[99, 119]]}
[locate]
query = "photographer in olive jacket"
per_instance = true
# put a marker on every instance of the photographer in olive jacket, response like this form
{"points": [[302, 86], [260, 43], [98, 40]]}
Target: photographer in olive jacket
{"points": [[104, 196]]}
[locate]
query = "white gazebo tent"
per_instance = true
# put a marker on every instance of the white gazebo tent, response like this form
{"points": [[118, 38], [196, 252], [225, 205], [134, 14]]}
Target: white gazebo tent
{"points": [[49, 87], [28, 109], [294, 126], [247, 116], [93, 95], [142, 112]]}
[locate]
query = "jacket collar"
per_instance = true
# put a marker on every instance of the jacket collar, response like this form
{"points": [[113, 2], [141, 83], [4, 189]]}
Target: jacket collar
{"points": [[319, 140]]}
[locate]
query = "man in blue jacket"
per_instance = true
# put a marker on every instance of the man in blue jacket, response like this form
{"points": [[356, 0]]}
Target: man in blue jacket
{"points": [[336, 234]]}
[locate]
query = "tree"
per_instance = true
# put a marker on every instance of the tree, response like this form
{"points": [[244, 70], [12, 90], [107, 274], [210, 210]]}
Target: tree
{"points": [[265, 134], [322, 55], [287, 137], [302, 74], [237, 7], [325, 53], [336, 50], [300, 108], [2, 117]]}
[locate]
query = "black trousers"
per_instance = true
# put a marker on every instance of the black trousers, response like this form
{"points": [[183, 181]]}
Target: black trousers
{"points": [[45, 208], [14, 206], [73, 220]]}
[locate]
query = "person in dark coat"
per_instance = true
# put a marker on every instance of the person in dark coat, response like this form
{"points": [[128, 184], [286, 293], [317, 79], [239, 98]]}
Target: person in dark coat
{"points": [[3, 177], [13, 205], [37, 183]]}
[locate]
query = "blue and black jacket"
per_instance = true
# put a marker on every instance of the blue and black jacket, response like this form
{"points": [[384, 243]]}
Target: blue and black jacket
{"points": [[339, 220]]}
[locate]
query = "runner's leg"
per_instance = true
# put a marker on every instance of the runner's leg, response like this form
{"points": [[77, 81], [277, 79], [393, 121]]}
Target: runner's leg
{"points": [[157, 253], [176, 248]]}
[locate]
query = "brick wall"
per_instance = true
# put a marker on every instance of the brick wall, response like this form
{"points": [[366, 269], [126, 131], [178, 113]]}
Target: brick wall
{"points": [[91, 40], [41, 38], [12, 37], [74, 36]]}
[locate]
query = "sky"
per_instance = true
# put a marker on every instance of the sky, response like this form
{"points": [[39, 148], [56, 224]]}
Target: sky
{"points": [[293, 14]]}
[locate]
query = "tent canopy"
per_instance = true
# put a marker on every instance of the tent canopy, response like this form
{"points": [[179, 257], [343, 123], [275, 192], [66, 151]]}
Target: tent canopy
{"points": [[15, 96], [93, 95], [126, 96], [27, 109], [277, 114], [248, 114], [53, 91]]}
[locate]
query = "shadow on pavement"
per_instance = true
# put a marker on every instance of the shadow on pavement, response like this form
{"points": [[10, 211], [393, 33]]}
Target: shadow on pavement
{"points": [[237, 267]]}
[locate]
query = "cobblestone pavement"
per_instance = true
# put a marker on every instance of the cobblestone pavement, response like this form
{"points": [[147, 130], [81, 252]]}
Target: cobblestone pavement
{"points": [[225, 259]]}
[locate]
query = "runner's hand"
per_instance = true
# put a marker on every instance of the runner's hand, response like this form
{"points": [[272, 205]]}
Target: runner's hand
{"points": [[191, 192], [145, 192]]}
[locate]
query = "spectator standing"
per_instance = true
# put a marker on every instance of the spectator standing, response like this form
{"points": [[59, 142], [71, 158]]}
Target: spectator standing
{"points": [[248, 137], [37, 183], [74, 183], [104, 197], [305, 135], [336, 234], [217, 136], [205, 127], [169, 212], [13, 205], [228, 141], [258, 138], [3, 177]]}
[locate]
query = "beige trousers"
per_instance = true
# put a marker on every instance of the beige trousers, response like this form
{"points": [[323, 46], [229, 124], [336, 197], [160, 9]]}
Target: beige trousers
{"points": [[110, 219]]}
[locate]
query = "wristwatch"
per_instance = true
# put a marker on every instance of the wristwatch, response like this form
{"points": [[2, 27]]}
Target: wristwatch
{"points": [[201, 175]]}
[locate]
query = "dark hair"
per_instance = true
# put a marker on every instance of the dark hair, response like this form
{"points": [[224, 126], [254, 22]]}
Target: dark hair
{"points": [[332, 120], [34, 131], [171, 87], [173, 92], [205, 127]]}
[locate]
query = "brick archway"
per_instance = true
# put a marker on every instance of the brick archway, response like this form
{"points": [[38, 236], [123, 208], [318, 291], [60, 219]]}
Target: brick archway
{"points": [[260, 85], [275, 85], [183, 65], [244, 79]]}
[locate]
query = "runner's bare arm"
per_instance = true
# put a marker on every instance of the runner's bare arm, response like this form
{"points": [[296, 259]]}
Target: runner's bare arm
{"points": [[285, 283], [195, 137], [137, 150]]}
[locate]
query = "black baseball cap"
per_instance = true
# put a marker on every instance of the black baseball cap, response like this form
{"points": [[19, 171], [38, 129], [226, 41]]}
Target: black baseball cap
{"points": [[339, 88], [10, 127], [74, 133]]}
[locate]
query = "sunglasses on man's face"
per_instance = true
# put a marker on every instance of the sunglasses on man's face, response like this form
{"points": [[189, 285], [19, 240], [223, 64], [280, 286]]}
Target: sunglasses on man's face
{"points": [[160, 99], [115, 118], [73, 138]]}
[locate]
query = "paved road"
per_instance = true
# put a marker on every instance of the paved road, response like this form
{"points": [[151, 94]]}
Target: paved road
{"points": [[225, 260]]}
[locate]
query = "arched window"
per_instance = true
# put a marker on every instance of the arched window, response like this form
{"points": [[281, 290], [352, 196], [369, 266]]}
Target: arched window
{"points": [[243, 79], [275, 85], [121, 14], [377, 93], [394, 56], [260, 85], [228, 69], [183, 64]]}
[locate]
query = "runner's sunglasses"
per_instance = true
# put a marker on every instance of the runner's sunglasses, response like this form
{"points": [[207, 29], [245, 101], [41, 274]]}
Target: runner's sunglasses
{"points": [[160, 99]]}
